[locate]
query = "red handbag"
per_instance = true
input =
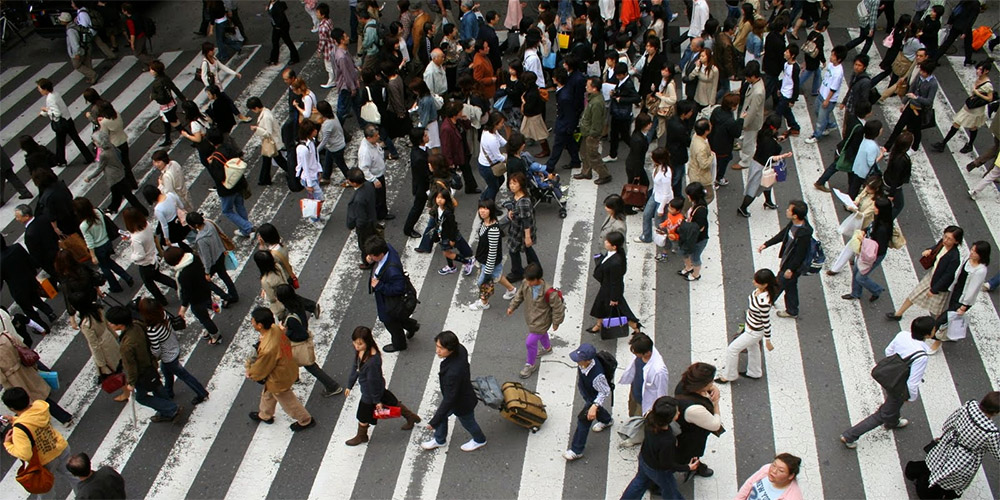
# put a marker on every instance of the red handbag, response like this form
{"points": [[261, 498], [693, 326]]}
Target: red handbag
{"points": [[927, 261], [112, 383], [28, 355], [634, 194]]}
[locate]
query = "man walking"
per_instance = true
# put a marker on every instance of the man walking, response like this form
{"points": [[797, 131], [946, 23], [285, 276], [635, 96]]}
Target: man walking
{"points": [[647, 376], [371, 161], [457, 395], [7, 174], [829, 95], [347, 78], [41, 240], [919, 99], [361, 211], [753, 116], [275, 367], [62, 124], [104, 483], [858, 91], [591, 126], [593, 385], [79, 42], [388, 283], [142, 378], [911, 346], [795, 240]]}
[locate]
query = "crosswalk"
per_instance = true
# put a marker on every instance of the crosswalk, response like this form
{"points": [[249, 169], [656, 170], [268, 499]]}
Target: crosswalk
{"points": [[817, 380]]}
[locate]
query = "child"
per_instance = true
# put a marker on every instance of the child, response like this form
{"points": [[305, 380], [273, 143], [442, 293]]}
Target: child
{"points": [[308, 168], [544, 307], [450, 238], [668, 228], [538, 171], [595, 388]]}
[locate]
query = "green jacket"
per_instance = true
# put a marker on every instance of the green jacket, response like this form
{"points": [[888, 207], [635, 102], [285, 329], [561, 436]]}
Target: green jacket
{"points": [[592, 120], [137, 360]]}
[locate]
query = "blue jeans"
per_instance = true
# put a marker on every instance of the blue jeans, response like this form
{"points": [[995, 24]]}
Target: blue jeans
{"points": [[784, 109], [233, 209], [156, 397], [644, 476], [344, 100], [695, 254], [109, 267], [994, 282], [425, 241], [492, 183], [390, 147], [806, 75], [648, 216], [864, 280], [468, 421], [176, 369], [733, 12], [227, 48], [583, 427], [824, 117]]}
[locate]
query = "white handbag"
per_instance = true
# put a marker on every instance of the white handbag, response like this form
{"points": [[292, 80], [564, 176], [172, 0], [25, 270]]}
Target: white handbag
{"points": [[768, 176], [369, 111]]}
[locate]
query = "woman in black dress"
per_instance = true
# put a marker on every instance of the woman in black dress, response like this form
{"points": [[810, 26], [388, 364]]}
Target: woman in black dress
{"points": [[610, 273]]}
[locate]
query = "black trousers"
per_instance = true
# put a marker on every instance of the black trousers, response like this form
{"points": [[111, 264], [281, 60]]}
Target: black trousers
{"points": [[123, 190], [561, 141], [790, 287], [364, 232], [8, 175], [952, 36], [264, 177], [219, 269], [619, 132], [397, 330], [468, 178], [150, 276], [280, 35], [65, 128], [419, 206], [909, 120], [30, 303], [381, 208]]}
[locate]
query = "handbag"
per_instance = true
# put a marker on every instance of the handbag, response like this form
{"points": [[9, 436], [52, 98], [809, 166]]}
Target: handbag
{"points": [[268, 148], [850, 224], [27, 355], [500, 103], [304, 353], [868, 255], [113, 382], [927, 261], [614, 327], [900, 65], [177, 323], [974, 101], [635, 194], [32, 476], [887, 41], [898, 240], [768, 176], [927, 118], [110, 228], [227, 243], [388, 412], [369, 111], [48, 289]]}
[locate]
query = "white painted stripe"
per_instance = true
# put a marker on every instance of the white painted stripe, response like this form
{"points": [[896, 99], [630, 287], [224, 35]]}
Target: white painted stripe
{"points": [[640, 280], [28, 86], [556, 383], [708, 345], [788, 394], [10, 74]]}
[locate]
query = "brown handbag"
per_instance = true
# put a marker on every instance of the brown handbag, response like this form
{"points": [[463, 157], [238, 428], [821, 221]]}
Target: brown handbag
{"points": [[76, 247], [927, 261], [34, 477], [634, 194]]}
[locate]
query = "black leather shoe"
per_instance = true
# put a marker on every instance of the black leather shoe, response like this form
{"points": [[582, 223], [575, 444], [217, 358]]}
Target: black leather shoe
{"points": [[411, 233], [389, 217], [255, 416], [391, 348]]}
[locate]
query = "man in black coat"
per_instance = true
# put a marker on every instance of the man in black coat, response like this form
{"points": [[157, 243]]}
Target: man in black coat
{"points": [[18, 273], [104, 483], [962, 19], [223, 110], [857, 91], [41, 239], [568, 110], [420, 178], [457, 395], [795, 239], [290, 129], [623, 97], [361, 211], [280, 28], [679, 129], [774, 57]]}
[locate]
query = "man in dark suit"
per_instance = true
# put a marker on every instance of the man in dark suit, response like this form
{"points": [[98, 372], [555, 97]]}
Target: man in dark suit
{"points": [[18, 273], [568, 109], [223, 110], [103, 483], [420, 178], [795, 240], [280, 28], [361, 211], [488, 34], [388, 283], [679, 129], [41, 239]]}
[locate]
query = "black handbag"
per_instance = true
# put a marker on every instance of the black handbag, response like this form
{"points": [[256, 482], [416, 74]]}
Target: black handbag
{"points": [[177, 323], [974, 101], [927, 118], [615, 326]]}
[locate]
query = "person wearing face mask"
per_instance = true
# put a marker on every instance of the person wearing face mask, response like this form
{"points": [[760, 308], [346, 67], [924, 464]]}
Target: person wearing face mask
{"points": [[776, 480]]}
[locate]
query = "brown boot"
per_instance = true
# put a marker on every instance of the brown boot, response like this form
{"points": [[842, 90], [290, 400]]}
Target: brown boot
{"points": [[362, 436], [545, 149], [411, 418]]}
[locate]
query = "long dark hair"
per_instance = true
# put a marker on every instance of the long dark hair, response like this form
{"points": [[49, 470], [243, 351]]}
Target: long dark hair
{"points": [[84, 210], [291, 300], [491, 206], [85, 303], [697, 377], [766, 277], [696, 192], [884, 216], [983, 248], [152, 312], [617, 240], [617, 206], [903, 142], [364, 334], [664, 411], [265, 262]]}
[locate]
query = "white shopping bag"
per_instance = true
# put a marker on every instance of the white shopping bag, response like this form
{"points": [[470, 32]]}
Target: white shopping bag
{"points": [[851, 223], [958, 326], [310, 207]]}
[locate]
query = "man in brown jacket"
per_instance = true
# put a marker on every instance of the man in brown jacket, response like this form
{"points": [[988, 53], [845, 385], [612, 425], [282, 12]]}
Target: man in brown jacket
{"points": [[277, 370], [543, 308], [140, 366]]}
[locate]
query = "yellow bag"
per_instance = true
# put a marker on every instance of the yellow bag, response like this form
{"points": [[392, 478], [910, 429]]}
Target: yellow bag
{"points": [[855, 242], [563, 39], [898, 240]]}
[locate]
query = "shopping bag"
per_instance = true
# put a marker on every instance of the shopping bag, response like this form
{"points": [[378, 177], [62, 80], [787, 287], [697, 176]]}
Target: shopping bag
{"points": [[780, 171], [850, 224], [958, 326], [659, 239], [549, 61], [388, 412], [51, 378], [563, 39], [47, 287], [768, 176], [500, 103], [231, 261], [310, 207], [632, 431]]}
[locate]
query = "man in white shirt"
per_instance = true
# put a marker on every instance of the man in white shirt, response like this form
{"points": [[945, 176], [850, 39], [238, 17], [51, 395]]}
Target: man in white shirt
{"points": [[62, 124], [371, 161], [905, 344], [646, 376], [829, 95], [77, 48], [84, 19], [435, 75]]}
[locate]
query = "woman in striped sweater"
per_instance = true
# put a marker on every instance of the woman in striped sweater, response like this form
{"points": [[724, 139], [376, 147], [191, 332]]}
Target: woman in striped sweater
{"points": [[757, 326], [489, 253]]}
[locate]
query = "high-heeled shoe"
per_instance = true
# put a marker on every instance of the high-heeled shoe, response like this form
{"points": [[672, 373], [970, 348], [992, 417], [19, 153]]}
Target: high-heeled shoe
{"points": [[592, 330]]}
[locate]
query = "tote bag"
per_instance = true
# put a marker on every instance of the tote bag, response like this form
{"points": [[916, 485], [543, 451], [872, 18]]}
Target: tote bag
{"points": [[369, 112], [768, 177]]}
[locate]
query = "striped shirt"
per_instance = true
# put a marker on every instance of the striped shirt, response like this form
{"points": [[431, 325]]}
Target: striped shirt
{"points": [[492, 234], [759, 312], [162, 342]]}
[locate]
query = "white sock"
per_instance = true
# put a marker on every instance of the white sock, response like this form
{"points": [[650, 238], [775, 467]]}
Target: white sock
{"points": [[35, 326]]}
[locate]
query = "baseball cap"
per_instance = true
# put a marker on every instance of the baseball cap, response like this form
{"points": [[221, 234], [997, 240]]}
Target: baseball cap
{"points": [[585, 352]]}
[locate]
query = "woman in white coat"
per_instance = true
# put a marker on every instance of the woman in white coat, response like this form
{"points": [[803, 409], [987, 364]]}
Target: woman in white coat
{"points": [[269, 131], [212, 68], [965, 290]]}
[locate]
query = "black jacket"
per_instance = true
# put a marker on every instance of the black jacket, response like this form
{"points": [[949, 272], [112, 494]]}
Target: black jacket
{"points": [[964, 15], [725, 130], [369, 376], [193, 285], [857, 92], [55, 203], [42, 242], [420, 172], [361, 209], [447, 226], [223, 112], [489, 35], [277, 13], [650, 76], [774, 54], [611, 275], [104, 483], [678, 140], [457, 396], [622, 99], [635, 162], [793, 252], [944, 273], [18, 272], [217, 169]]}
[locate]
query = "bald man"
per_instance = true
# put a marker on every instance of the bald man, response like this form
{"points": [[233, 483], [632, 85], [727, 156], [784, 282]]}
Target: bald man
{"points": [[434, 74]]}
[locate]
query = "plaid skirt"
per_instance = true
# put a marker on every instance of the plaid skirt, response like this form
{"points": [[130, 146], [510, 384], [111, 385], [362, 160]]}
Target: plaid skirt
{"points": [[934, 304]]}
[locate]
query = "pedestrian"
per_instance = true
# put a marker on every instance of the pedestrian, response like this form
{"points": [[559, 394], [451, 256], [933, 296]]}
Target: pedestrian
{"points": [[666, 94], [863, 211], [142, 377], [144, 253], [271, 142], [366, 370], [95, 24], [275, 368], [701, 160], [137, 36], [164, 346], [623, 98], [371, 163], [814, 63], [35, 436], [752, 115], [971, 117], [911, 346], [961, 20], [308, 170], [990, 154], [757, 325], [326, 43], [79, 44], [161, 91], [98, 240], [361, 210], [787, 90], [457, 395], [18, 273], [212, 68], [229, 41], [931, 293], [231, 197], [491, 147], [212, 245], [449, 236], [427, 112], [724, 132], [331, 144], [388, 282], [116, 174], [195, 290], [646, 376], [868, 12], [347, 78], [198, 125], [918, 101], [271, 276], [829, 94], [656, 204], [954, 458], [591, 127], [489, 254], [223, 111], [595, 388], [778, 479], [76, 277], [104, 483], [483, 71], [420, 179], [37, 157], [609, 271], [171, 228], [269, 239], [638, 145], [55, 202], [40, 239], [100, 339], [62, 124], [522, 237], [698, 402], [532, 109], [968, 284], [858, 90], [658, 457], [14, 374], [296, 327], [614, 219], [796, 239], [866, 161], [544, 308], [880, 229], [767, 152], [692, 246], [391, 100], [368, 51], [898, 170]]}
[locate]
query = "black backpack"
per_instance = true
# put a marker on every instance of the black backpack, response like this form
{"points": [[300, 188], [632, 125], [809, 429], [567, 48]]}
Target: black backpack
{"points": [[609, 364], [148, 26]]}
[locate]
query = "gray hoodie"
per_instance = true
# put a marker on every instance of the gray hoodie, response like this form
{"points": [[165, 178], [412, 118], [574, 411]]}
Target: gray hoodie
{"points": [[209, 246]]}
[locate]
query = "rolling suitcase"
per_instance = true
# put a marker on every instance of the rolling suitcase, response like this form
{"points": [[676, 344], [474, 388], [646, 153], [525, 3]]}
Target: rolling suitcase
{"points": [[522, 406]]}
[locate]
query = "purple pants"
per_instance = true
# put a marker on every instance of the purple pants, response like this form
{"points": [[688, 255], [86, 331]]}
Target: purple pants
{"points": [[531, 344]]}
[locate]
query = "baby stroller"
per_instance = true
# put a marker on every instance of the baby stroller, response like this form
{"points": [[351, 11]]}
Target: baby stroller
{"points": [[543, 189]]}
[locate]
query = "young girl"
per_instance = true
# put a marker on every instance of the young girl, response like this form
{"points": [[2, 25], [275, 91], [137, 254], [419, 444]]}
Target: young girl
{"points": [[450, 238], [668, 228], [489, 253]]}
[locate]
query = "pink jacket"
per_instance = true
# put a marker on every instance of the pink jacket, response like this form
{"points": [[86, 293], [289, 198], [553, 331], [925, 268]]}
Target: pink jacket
{"points": [[792, 493]]}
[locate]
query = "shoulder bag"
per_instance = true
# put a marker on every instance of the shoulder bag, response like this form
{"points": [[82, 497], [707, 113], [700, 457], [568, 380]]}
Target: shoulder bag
{"points": [[369, 111], [635, 194], [927, 261], [27, 355], [34, 477], [974, 101], [499, 168]]}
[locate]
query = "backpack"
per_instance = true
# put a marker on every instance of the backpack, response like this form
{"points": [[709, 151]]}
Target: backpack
{"points": [[891, 372], [402, 307], [815, 258], [609, 364], [550, 291], [706, 112], [234, 169], [148, 25], [86, 36], [96, 19]]}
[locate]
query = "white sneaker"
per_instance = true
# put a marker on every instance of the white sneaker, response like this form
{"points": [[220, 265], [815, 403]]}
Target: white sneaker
{"points": [[432, 443], [509, 294], [810, 140], [600, 426], [479, 306], [828, 131], [902, 423], [637, 239], [608, 159], [570, 455], [328, 85], [446, 270], [467, 267], [472, 445]]}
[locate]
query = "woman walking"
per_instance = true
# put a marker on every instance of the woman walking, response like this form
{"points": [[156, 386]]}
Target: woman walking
{"points": [[88, 317], [109, 121], [489, 253], [658, 457], [610, 273], [95, 234], [880, 230], [449, 236], [968, 284], [164, 346], [140, 237], [367, 371], [331, 144], [491, 143], [198, 124], [698, 402], [973, 113], [756, 326], [212, 68], [297, 330], [863, 209], [522, 226], [270, 277], [693, 245], [666, 94], [726, 128], [120, 182], [161, 91], [662, 193], [931, 293], [638, 145], [308, 169], [533, 111], [707, 75], [167, 208], [898, 170], [614, 219], [271, 144], [195, 290], [212, 245], [768, 151]]}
